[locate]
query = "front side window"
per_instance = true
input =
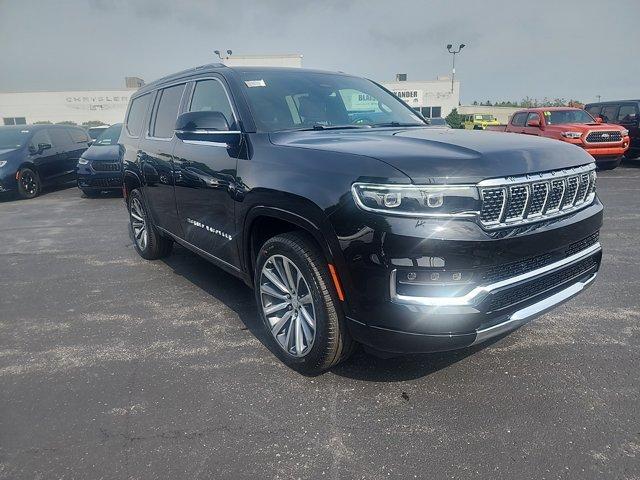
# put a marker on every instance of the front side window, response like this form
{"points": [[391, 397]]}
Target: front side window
{"points": [[533, 117], [40, 137], [302, 100], [594, 110], [210, 96], [558, 117], [137, 111], [60, 138], [627, 114], [609, 113], [519, 119], [167, 112]]}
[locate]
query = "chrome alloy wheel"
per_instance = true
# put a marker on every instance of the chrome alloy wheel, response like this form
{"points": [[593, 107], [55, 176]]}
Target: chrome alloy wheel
{"points": [[138, 223], [287, 304]]}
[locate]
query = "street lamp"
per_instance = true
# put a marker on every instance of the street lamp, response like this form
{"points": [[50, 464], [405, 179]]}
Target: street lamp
{"points": [[453, 67], [217, 52]]}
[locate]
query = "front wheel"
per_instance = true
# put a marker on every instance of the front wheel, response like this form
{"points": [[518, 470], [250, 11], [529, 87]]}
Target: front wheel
{"points": [[28, 183], [147, 240], [299, 306]]}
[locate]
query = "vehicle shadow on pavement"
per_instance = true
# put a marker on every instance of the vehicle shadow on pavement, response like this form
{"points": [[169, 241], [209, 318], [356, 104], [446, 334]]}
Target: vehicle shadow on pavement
{"points": [[362, 365]]}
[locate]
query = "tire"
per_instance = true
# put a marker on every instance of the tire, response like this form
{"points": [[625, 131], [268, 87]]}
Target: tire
{"points": [[308, 333], [609, 165], [90, 193], [29, 185], [147, 240]]}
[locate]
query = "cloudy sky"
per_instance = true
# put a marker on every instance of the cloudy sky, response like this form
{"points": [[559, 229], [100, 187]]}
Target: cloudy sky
{"points": [[539, 48]]}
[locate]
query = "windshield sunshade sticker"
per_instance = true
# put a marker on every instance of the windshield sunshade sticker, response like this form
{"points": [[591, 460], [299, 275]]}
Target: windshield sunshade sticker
{"points": [[255, 83]]}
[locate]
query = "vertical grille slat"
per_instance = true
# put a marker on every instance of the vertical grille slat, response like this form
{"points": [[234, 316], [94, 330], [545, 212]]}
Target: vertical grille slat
{"points": [[520, 200]]}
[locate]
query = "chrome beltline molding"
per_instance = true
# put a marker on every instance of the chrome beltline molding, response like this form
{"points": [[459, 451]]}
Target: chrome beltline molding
{"points": [[476, 295]]}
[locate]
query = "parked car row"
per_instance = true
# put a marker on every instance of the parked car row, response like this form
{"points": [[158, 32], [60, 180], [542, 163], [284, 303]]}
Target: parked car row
{"points": [[37, 156], [607, 143], [625, 113]]}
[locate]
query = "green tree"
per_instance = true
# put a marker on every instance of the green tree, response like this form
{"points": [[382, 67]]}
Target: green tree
{"points": [[454, 119], [43, 122], [66, 122], [92, 123]]}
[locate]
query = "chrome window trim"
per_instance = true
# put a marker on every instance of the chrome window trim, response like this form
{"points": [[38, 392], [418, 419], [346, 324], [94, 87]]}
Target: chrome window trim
{"points": [[475, 296], [204, 131]]}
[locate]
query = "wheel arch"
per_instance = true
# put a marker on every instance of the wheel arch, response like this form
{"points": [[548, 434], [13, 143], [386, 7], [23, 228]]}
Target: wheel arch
{"points": [[130, 181]]}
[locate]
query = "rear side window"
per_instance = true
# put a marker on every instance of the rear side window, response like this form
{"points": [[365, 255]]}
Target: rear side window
{"points": [[210, 96], [60, 138], [519, 119], [41, 136], [167, 112], [627, 114], [137, 110], [609, 113], [79, 136]]}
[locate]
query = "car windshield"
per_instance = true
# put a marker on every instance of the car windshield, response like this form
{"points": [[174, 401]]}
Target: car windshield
{"points": [[12, 138], [290, 100], [110, 136], [557, 117], [95, 132]]}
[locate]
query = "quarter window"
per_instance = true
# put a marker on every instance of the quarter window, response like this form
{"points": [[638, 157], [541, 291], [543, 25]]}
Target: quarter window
{"points": [[137, 111], [519, 119], [167, 112], [210, 96]]}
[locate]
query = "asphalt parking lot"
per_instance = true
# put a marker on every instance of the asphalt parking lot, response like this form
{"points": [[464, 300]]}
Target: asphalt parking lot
{"points": [[115, 367]]}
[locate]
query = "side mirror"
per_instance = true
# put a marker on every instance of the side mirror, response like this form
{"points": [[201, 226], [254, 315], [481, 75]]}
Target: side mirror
{"points": [[534, 123], [41, 148], [209, 127]]}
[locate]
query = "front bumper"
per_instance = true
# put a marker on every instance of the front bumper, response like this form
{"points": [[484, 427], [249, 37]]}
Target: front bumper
{"points": [[88, 178], [507, 278]]}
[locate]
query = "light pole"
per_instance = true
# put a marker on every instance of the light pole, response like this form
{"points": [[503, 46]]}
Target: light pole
{"points": [[453, 67], [598, 97], [217, 52]]}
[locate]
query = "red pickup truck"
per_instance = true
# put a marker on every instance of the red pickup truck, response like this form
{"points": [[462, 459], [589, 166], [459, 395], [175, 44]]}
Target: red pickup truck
{"points": [[606, 143]]}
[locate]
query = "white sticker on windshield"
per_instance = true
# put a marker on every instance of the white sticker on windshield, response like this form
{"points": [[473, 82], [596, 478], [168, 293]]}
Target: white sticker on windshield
{"points": [[255, 83]]}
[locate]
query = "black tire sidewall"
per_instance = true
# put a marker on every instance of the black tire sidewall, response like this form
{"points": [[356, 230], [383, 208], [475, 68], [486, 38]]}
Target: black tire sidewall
{"points": [[315, 357], [36, 177]]}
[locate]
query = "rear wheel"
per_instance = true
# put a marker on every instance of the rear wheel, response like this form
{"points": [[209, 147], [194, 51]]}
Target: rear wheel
{"points": [[147, 240], [28, 183], [299, 306]]}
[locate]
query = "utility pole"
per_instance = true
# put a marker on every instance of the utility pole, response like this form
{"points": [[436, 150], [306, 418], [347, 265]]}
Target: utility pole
{"points": [[453, 65]]}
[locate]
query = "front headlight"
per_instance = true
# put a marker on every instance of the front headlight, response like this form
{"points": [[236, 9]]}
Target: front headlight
{"points": [[83, 161], [573, 135], [418, 201], [3, 163], [625, 132]]}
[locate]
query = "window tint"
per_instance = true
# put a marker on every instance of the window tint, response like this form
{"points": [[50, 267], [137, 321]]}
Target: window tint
{"points": [[627, 114], [136, 115], [78, 135], [167, 112], [210, 96], [60, 137], [609, 113], [519, 119], [41, 136]]}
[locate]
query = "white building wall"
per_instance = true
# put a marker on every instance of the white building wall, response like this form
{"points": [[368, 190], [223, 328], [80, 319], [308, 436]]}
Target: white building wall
{"points": [[107, 106], [428, 93]]}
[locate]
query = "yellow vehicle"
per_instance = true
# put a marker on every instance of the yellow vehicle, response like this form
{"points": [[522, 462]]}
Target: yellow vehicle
{"points": [[479, 121]]}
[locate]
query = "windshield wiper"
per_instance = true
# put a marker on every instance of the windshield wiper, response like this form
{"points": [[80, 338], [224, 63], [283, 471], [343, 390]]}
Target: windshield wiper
{"points": [[398, 124], [317, 126]]}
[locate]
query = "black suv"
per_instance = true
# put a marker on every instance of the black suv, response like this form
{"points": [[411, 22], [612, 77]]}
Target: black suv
{"points": [[625, 113], [388, 232], [33, 156]]}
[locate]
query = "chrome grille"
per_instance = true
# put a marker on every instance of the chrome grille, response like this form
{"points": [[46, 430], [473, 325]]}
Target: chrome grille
{"points": [[520, 200], [105, 166], [601, 137]]}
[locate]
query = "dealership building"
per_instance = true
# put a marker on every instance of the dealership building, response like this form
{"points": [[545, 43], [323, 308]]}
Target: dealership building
{"points": [[432, 98]]}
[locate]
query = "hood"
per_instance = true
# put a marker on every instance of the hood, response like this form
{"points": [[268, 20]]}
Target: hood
{"points": [[106, 153], [437, 155], [6, 152]]}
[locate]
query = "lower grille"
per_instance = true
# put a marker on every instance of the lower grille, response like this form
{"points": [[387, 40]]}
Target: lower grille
{"points": [[511, 296], [601, 137], [582, 244], [106, 182]]}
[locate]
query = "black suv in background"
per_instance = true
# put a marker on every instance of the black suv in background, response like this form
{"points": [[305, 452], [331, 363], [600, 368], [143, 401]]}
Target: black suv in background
{"points": [[100, 167], [621, 112], [387, 232], [33, 156]]}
